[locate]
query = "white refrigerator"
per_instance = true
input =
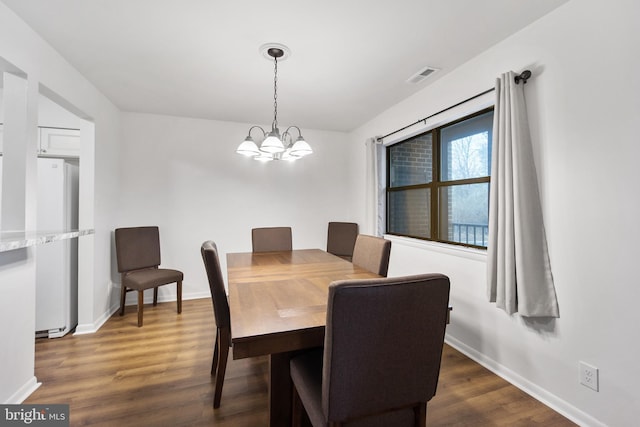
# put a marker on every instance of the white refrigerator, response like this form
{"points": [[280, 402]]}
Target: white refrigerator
{"points": [[57, 262]]}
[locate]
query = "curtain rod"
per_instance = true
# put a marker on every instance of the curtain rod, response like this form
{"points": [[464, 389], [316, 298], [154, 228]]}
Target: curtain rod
{"points": [[524, 76]]}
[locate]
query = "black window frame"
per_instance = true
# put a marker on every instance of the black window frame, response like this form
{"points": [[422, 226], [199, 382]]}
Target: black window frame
{"points": [[436, 184]]}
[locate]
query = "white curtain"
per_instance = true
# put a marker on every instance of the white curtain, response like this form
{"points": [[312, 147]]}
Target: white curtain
{"points": [[519, 275], [375, 187]]}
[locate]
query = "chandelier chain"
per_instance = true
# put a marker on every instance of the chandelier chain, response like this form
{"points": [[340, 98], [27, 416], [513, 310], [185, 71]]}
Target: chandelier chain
{"points": [[275, 93]]}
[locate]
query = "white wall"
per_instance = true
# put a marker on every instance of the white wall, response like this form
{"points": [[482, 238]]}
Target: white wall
{"points": [[51, 114], [583, 106], [48, 72], [184, 176]]}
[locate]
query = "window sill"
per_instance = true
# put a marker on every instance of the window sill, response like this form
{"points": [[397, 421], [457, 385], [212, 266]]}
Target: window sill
{"points": [[453, 250]]}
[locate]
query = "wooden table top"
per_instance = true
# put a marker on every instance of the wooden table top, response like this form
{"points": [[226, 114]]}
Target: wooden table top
{"points": [[278, 300]]}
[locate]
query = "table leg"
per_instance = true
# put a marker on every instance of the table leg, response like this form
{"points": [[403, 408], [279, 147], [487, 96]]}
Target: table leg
{"points": [[280, 390]]}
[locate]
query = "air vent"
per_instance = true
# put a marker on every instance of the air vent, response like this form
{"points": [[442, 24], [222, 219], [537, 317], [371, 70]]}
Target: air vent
{"points": [[421, 75]]}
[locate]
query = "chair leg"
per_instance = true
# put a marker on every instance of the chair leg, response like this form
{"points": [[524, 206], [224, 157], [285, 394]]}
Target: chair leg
{"points": [[140, 305], [123, 295], [179, 296], [421, 414], [214, 363], [225, 340], [296, 409], [155, 296]]}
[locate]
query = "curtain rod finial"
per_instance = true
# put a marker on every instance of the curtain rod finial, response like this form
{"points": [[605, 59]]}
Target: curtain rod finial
{"points": [[524, 76]]}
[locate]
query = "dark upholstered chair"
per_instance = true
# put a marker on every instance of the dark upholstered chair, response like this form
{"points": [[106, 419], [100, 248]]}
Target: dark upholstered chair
{"points": [[209, 252], [138, 256], [381, 358], [372, 253], [341, 238], [270, 239]]}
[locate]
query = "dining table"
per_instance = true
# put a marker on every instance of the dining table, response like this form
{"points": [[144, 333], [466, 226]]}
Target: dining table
{"points": [[278, 307]]}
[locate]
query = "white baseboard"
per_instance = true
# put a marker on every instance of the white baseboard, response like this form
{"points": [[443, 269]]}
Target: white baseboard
{"points": [[197, 295], [90, 328], [554, 402], [148, 299], [23, 392]]}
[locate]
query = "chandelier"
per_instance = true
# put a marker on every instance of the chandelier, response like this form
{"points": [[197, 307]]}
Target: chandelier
{"points": [[275, 146]]}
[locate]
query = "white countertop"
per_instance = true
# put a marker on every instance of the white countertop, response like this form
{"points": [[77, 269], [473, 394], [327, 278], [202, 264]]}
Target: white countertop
{"points": [[10, 240]]}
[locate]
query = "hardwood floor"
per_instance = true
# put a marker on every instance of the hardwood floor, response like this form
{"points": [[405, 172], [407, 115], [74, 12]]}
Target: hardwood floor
{"points": [[158, 375]]}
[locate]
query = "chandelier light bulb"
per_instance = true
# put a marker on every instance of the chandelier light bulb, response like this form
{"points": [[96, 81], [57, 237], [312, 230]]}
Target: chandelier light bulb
{"points": [[301, 148], [264, 157], [248, 148], [272, 143]]}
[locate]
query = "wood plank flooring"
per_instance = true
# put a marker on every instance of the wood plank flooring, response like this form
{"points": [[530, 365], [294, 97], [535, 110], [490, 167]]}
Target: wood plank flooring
{"points": [[158, 375]]}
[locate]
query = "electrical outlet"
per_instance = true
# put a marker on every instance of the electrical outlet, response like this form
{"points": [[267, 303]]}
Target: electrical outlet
{"points": [[589, 376]]}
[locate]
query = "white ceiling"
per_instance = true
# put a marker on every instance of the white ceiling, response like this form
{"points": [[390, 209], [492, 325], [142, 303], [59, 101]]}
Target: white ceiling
{"points": [[199, 58]]}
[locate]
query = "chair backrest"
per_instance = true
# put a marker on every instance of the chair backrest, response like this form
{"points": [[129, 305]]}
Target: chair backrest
{"points": [[372, 253], [269, 239], [209, 252], [383, 344], [341, 238], [137, 248]]}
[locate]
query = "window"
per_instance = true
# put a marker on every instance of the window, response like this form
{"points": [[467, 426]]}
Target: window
{"points": [[438, 183]]}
